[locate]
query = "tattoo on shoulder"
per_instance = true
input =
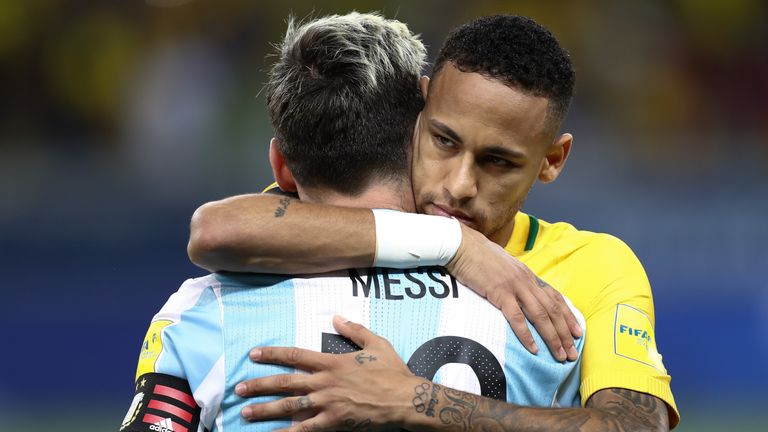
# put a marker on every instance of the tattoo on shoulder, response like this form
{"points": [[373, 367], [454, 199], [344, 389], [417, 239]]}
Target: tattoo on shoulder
{"points": [[283, 207]]}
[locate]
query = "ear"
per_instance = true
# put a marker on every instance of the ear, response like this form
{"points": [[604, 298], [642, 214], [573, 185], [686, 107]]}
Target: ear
{"points": [[280, 170], [424, 86], [555, 158]]}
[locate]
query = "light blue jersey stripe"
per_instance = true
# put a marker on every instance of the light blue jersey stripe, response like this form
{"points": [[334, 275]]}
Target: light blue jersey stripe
{"points": [[396, 316], [540, 380], [195, 338], [259, 310], [435, 325]]}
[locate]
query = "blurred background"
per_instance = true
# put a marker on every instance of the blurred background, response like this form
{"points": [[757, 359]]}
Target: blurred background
{"points": [[120, 118]]}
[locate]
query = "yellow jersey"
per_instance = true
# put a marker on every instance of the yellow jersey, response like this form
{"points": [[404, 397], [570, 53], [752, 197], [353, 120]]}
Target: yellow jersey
{"points": [[604, 279]]}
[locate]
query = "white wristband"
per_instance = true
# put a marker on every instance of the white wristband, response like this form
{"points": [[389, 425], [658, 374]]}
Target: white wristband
{"points": [[406, 240]]}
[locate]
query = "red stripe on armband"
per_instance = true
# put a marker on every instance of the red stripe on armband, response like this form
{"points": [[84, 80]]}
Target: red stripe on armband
{"points": [[170, 409], [175, 394]]}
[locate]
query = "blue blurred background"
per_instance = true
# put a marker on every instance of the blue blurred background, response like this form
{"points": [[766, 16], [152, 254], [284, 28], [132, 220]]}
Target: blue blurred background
{"points": [[120, 118]]}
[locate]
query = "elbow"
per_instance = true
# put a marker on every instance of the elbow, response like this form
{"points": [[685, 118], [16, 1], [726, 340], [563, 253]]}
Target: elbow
{"points": [[209, 241]]}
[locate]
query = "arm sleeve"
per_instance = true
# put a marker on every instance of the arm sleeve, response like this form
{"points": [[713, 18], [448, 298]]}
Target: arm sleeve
{"points": [[180, 376], [620, 349]]}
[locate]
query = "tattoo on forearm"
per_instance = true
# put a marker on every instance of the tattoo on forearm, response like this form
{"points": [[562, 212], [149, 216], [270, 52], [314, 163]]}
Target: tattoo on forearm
{"points": [[362, 358], [460, 408], [616, 410], [421, 399], [361, 426], [433, 400], [629, 410], [283, 207]]}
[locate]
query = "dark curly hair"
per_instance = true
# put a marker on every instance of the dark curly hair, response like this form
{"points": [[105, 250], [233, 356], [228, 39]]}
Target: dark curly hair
{"points": [[516, 51]]}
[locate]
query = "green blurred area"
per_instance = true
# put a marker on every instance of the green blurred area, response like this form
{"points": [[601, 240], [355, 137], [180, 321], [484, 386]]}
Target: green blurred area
{"points": [[680, 70]]}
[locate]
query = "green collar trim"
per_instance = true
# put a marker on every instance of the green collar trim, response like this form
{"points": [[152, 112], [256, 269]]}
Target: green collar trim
{"points": [[533, 231]]}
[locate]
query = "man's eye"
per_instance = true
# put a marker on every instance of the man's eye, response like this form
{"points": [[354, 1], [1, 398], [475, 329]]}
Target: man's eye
{"points": [[443, 141], [498, 162]]}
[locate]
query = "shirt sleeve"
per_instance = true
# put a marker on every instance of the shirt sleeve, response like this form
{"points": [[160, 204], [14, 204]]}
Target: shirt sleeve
{"points": [[183, 348], [620, 349]]}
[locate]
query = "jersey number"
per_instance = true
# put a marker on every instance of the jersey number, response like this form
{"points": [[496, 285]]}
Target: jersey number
{"points": [[435, 353]]}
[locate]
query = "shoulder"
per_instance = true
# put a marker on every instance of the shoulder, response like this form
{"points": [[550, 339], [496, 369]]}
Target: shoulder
{"points": [[594, 269], [598, 249], [189, 295]]}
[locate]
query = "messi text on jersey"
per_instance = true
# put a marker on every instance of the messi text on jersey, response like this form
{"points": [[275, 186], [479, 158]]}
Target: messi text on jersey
{"points": [[397, 284]]}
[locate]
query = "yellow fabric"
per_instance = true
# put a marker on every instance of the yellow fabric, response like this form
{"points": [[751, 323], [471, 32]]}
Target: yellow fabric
{"points": [[607, 283], [270, 187], [151, 348]]}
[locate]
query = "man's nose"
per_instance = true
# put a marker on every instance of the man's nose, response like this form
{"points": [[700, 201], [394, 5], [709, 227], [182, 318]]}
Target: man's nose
{"points": [[461, 182]]}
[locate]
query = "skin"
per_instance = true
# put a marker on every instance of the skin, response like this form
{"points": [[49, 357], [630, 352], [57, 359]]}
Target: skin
{"points": [[257, 233], [343, 393], [271, 234], [480, 146], [476, 156]]}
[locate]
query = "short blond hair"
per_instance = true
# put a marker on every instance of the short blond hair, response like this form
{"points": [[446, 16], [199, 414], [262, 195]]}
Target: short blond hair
{"points": [[343, 99]]}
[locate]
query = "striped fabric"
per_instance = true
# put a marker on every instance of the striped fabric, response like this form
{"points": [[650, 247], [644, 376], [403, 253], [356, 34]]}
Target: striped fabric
{"points": [[443, 330]]}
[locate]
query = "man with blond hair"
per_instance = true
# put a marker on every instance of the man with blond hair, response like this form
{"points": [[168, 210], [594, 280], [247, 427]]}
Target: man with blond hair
{"points": [[343, 100], [501, 88]]}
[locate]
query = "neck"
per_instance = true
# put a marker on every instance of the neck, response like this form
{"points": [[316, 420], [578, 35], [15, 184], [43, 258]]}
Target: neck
{"points": [[389, 196]]}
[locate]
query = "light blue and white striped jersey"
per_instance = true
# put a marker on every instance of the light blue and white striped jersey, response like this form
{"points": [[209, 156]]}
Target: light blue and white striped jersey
{"points": [[443, 330]]}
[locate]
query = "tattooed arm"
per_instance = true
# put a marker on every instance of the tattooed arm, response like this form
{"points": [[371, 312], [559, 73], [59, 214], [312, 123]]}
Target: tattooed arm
{"points": [[373, 389], [374, 401], [275, 234], [607, 410], [242, 233]]}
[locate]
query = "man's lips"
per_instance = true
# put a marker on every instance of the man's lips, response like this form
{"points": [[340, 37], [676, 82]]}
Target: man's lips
{"points": [[440, 210]]}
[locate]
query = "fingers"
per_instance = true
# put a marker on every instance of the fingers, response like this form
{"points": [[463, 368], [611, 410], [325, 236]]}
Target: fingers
{"points": [[303, 405], [357, 333], [295, 357], [280, 408], [539, 317], [570, 318], [324, 422], [562, 341], [274, 384]]}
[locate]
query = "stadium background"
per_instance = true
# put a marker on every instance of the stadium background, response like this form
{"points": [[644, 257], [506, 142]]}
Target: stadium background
{"points": [[120, 118]]}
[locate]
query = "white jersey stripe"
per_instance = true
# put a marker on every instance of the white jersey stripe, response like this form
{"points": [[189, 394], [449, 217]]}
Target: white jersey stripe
{"points": [[443, 330]]}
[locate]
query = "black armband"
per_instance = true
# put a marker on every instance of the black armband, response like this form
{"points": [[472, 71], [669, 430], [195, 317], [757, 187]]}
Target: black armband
{"points": [[163, 403]]}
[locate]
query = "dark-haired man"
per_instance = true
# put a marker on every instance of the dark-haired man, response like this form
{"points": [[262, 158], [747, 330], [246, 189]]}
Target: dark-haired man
{"points": [[353, 80], [499, 92]]}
